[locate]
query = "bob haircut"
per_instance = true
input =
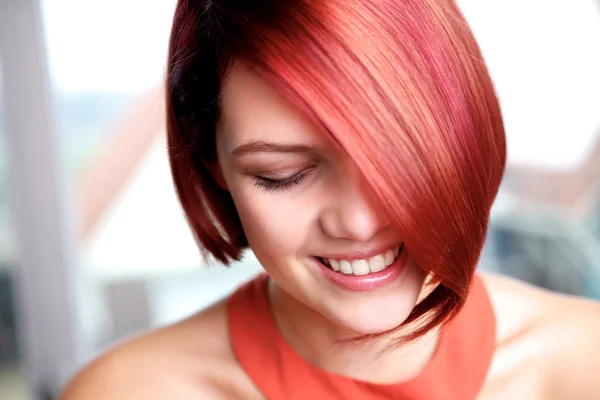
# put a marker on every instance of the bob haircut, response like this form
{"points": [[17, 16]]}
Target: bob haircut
{"points": [[400, 85]]}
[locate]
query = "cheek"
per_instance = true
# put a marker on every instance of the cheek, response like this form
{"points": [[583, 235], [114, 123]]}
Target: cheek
{"points": [[276, 224]]}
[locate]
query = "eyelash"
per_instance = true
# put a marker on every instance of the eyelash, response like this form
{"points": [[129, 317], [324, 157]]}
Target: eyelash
{"points": [[269, 184]]}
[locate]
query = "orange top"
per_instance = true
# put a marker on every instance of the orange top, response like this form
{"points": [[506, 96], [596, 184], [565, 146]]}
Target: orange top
{"points": [[456, 372]]}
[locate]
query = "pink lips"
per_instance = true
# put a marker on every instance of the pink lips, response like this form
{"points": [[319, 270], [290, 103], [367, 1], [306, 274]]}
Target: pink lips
{"points": [[369, 282]]}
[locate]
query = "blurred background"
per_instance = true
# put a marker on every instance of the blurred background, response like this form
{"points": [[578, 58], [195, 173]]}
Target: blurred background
{"points": [[93, 244]]}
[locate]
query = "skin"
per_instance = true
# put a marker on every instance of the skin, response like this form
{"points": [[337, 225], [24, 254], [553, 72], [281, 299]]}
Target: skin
{"points": [[546, 343]]}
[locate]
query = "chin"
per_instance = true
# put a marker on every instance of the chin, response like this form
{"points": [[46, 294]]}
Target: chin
{"points": [[375, 312], [370, 324]]}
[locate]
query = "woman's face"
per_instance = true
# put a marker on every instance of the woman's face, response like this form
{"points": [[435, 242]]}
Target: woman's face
{"points": [[303, 203]]}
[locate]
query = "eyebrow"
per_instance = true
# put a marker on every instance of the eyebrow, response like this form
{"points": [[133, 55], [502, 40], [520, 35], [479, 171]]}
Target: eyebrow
{"points": [[270, 147]]}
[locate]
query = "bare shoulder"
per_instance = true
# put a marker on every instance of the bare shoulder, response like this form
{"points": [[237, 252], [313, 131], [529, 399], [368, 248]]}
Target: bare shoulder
{"points": [[521, 305], [557, 334], [178, 361]]}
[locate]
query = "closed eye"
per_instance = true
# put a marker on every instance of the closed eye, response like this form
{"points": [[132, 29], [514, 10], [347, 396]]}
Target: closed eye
{"points": [[270, 184]]}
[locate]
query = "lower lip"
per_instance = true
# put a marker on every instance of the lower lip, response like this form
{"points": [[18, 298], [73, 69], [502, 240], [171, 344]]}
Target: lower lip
{"points": [[369, 282]]}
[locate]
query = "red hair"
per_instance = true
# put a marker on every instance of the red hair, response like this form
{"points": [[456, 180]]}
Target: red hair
{"points": [[400, 85]]}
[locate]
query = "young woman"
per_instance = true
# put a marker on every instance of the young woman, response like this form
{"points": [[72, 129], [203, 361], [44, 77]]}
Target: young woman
{"points": [[356, 147]]}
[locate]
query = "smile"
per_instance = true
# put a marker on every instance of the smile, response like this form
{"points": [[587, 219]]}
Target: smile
{"points": [[363, 272], [364, 266]]}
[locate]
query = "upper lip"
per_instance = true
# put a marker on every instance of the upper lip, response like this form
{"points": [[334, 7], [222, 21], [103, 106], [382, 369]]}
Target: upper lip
{"points": [[362, 253]]}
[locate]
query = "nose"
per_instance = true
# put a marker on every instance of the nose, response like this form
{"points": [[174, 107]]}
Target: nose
{"points": [[352, 210]]}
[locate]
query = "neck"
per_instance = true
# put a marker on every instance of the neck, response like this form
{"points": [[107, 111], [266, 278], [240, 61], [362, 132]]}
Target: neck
{"points": [[327, 345]]}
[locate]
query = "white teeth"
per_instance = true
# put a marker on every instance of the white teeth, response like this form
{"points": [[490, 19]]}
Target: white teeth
{"points": [[360, 267], [377, 263], [389, 257], [334, 265], [345, 267], [366, 266]]}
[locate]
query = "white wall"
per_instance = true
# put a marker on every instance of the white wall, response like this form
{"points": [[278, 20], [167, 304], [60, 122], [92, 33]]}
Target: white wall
{"points": [[544, 56]]}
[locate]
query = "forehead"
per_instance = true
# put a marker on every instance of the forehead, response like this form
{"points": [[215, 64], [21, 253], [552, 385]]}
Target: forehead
{"points": [[252, 109]]}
